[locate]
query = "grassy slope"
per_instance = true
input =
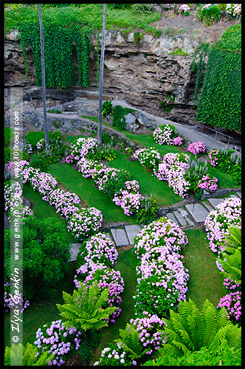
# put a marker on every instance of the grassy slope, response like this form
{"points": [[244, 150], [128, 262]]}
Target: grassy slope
{"points": [[149, 184], [205, 279], [85, 189]]}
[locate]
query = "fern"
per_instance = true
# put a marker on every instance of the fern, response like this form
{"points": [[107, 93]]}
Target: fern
{"points": [[232, 266], [210, 318], [27, 354], [131, 343]]}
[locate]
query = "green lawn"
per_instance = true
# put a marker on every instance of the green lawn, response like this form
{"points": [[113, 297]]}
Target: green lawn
{"points": [[41, 311], [205, 281], [149, 183], [85, 189]]}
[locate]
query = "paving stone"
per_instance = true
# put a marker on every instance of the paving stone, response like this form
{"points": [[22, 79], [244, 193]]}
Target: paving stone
{"points": [[234, 196], [180, 218], [208, 206], [238, 194], [172, 217], [132, 230], [214, 202], [74, 251], [198, 212], [186, 216], [119, 237]]}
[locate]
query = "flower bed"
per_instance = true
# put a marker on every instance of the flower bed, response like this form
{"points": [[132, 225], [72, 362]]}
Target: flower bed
{"points": [[81, 148], [13, 200], [166, 134], [197, 148], [129, 198], [57, 340], [85, 222], [149, 158], [227, 162], [208, 183], [63, 202], [219, 220]]}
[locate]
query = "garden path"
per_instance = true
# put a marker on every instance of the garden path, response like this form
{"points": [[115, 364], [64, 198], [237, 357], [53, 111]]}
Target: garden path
{"points": [[190, 132], [187, 216]]}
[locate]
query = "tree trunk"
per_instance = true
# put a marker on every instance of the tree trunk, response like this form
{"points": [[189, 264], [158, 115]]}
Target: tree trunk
{"points": [[43, 78], [99, 134]]}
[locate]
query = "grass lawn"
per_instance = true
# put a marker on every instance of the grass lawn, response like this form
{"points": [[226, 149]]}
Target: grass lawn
{"points": [[84, 188], [126, 263], [41, 311], [149, 183], [205, 281]]}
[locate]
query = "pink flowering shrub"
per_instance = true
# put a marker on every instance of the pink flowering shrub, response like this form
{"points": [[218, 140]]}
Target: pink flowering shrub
{"points": [[43, 182], [83, 147], [63, 202], [166, 134], [232, 304], [197, 148], [13, 200], [149, 328], [85, 222], [57, 340], [87, 167], [28, 148], [149, 158], [234, 10], [219, 220], [114, 355], [129, 198], [213, 157], [184, 9], [103, 174], [98, 249], [40, 144], [9, 302], [207, 183]]}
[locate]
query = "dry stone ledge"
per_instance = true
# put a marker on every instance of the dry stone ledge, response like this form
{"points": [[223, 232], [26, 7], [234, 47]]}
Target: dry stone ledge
{"points": [[132, 231], [119, 237]]}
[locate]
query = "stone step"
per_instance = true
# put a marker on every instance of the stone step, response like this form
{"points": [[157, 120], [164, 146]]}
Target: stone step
{"points": [[119, 237], [234, 196], [214, 201], [186, 216], [74, 251], [208, 206], [132, 230], [238, 194], [198, 212], [172, 217], [180, 218]]}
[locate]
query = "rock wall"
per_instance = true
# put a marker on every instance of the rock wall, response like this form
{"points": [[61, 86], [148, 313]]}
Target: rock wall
{"points": [[142, 75]]}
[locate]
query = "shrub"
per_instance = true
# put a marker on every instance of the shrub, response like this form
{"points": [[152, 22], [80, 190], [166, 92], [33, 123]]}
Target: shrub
{"points": [[197, 147], [45, 256], [167, 134], [136, 39], [142, 8], [148, 210], [54, 111], [149, 158], [106, 108], [34, 137], [115, 184], [26, 355], [40, 163], [209, 14], [85, 222], [118, 117], [227, 162], [129, 198]]}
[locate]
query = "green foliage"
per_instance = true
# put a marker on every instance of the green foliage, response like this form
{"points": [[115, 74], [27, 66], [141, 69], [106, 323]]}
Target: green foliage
{"points": [[113, 186], [179, 51], [45, 255], [84, 308], [222, 356], [56, 149], [190, 329], [40, 163], [209, 15], [147, 213], [106, 108], [233, 241], [156, 33], [118, 119], [136, 39], [197, 65], [8, 136], [33, 137], [130, 342], [58, 44], [230, 163], [174, 31], [195, 172], [140, 9], [220, 100], [27, 354], [54, 111]]}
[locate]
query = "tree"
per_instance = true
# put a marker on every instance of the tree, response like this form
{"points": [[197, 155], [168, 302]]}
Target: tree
{"points": [[84, 309], [190, 330], [43, 77], [99, 134], [27, 355]]}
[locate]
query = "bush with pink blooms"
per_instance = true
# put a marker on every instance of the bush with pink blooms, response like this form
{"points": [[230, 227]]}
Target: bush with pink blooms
{"points": [[10, 302], [85, 222], [13, 200], [81, 148], [129, 198], [166, 134], [57, 340], [87, 167], [208, 183], [66, 203], [219, 220], [197, 148], [232, 304], [149, 158]]}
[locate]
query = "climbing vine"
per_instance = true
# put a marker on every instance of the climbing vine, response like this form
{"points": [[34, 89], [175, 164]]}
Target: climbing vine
{"points": [[59, 42], [98, 48], [220, 100], [197, 65]]}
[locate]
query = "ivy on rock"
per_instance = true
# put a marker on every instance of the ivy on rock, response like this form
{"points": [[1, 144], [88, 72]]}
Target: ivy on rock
{"points": [[59, 42]]}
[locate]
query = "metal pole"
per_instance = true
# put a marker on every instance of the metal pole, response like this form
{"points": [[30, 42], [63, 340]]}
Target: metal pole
{"points": [[43, 78]]}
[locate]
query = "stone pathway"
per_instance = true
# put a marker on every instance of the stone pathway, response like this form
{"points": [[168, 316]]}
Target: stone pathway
{"points": [[186, 217]]}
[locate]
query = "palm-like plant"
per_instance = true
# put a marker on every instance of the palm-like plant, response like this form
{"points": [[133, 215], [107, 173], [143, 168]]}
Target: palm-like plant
{"points": [[130, 341], [26, 355], [84, 308], [190, 329]]}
